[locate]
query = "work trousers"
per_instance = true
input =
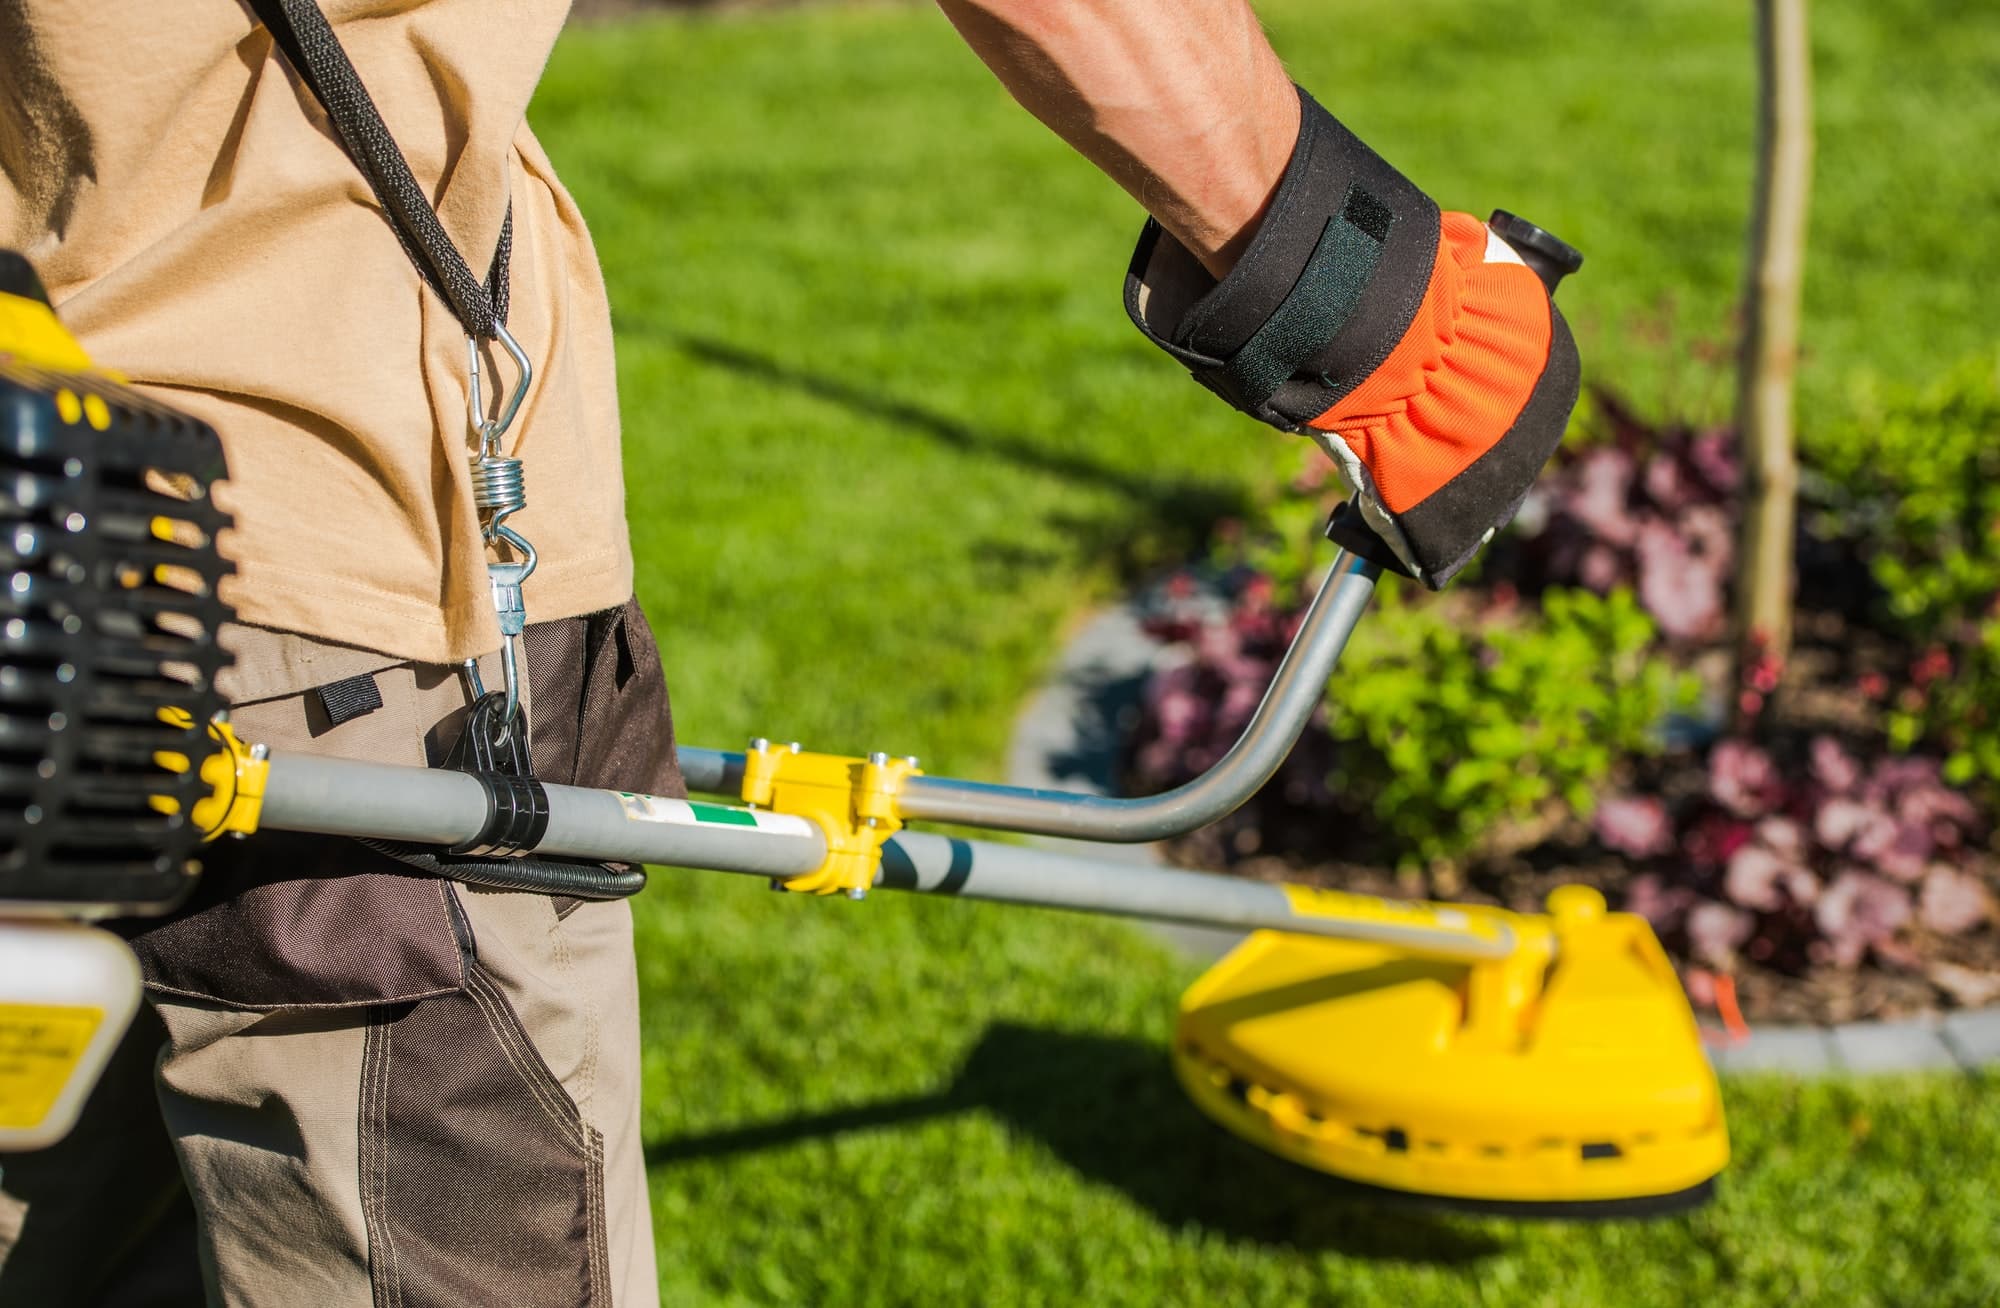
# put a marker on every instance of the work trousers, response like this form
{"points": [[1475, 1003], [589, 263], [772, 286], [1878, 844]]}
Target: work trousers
{"points": [[357, 1084]]}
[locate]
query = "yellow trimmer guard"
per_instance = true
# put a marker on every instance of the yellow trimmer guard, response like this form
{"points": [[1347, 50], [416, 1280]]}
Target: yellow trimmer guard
{"points": [[1568, 1077]]}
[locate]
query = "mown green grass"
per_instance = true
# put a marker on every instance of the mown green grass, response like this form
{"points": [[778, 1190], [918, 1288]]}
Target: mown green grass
{"points": [[887, 432]]}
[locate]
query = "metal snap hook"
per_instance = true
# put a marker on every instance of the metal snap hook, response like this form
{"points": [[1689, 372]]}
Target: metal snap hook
{"points": [[490, 430]]}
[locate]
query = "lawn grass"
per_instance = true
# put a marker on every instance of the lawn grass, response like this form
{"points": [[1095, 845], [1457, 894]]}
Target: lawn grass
{"points": [[887, 432]]}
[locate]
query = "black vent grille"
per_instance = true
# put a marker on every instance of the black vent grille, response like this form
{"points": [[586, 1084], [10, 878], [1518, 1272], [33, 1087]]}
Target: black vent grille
{"points": [[108, 615]]}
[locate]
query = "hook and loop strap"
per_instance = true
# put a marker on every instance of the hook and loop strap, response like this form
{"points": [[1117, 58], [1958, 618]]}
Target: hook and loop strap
{"points": [[307, 40]]}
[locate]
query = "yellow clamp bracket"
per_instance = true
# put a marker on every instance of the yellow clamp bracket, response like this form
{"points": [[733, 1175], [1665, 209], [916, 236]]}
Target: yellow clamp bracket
{"points": [[851, 800], [235, 774]]}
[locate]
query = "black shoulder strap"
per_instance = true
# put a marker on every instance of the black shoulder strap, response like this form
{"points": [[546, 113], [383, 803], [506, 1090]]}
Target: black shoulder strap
{"points": [[307, 40]]}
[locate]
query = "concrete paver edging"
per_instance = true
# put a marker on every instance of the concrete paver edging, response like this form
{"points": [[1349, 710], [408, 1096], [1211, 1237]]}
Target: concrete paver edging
{"points": [[1067, 736]]}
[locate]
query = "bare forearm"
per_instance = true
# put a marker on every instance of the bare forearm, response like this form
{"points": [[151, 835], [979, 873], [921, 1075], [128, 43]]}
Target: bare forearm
{"points": [[1181, 102]]}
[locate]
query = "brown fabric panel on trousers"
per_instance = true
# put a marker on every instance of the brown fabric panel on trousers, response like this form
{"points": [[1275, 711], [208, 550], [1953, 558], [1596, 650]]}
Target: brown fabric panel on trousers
{"points": [[343, 926], [620, 732], [627, 735], [553, 652], [481, 1182]]}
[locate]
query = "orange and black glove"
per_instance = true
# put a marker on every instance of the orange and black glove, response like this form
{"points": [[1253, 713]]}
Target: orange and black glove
{"points": [[1420, 349]]}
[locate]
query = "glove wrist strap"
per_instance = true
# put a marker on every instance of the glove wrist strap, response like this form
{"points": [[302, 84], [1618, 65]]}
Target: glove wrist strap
{"points": [[1328, 285]]}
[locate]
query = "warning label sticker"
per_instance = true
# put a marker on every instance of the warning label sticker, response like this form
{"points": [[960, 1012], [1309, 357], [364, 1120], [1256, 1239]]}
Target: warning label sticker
{"points": [[40, 1046]]}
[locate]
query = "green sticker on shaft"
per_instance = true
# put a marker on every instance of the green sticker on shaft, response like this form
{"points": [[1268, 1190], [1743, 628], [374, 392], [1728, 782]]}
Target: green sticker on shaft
{"points": [[722, 814]]}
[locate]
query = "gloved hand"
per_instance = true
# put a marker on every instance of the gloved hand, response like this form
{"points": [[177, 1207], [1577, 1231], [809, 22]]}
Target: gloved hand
{"points": [[1417, 347]]}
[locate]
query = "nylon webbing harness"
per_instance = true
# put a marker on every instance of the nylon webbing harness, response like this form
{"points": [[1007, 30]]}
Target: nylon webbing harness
{"points": [[315, 53], [494, 745], [307, 40]]}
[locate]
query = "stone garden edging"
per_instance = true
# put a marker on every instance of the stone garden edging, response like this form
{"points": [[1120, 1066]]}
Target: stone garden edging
{"points": [[1067, 737]]}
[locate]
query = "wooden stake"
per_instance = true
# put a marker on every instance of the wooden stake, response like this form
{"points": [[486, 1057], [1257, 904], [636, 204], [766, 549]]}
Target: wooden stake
{"points": [[1768, 365]]}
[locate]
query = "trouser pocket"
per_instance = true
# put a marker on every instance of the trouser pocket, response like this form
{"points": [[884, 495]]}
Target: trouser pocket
{"points": [[481, 1182], [284, 920]]}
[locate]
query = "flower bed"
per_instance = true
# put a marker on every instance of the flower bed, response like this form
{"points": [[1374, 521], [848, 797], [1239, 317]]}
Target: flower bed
{"points": [[1816, 839]]}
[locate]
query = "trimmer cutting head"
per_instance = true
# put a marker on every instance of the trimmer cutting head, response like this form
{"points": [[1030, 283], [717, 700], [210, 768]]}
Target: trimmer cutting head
{"points": [[1567, 1079]]}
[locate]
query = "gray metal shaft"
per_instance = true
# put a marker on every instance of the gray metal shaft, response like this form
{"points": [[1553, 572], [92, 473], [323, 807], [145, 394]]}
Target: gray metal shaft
{"points": [[1015, 874], [1295, 691], [383, 801]]}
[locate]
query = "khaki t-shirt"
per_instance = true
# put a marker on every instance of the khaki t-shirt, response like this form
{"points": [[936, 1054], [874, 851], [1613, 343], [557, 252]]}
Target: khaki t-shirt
{"points": [[201, 230]]}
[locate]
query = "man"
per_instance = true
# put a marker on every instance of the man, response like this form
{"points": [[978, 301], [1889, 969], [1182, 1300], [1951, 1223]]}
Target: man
{"points": [[378, 1086]]}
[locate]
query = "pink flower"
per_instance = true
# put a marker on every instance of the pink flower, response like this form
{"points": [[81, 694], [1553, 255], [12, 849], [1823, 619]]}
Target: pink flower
{"points": [[1898, 849], [1603, 493], [1833, 767], [1656, 901], [1713, 456], [1600, 569], [1741, 778], [1761, 878], [1859, 910], [1839, 820], [1635, 826], [1682, 590], [1716, 931], [1952, 902]]}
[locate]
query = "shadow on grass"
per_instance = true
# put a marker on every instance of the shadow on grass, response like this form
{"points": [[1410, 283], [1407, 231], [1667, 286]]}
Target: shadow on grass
{"points": [[1169, 520], [1111, 1110]]}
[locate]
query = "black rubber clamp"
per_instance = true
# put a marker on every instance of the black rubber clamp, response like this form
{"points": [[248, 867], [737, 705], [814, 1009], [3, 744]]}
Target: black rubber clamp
{"points": [[517, 817], [495, 753]]}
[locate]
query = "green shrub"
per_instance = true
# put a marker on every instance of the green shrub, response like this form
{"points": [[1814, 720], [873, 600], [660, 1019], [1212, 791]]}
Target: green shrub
{"points": [[1450, 733], [1957, 710], [1915, 482]]}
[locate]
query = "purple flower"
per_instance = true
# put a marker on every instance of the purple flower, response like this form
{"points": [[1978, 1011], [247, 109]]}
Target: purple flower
{"points": [[1839, 820], [1931, 804], [1952, 902], [1659, 903], [1760, 877], [1712, 455], [1833, 767], [1636, 826], [1602, 499], [1716, 931], [1681, 590], [1741, 778], [1898, 849], [1859, 910]]}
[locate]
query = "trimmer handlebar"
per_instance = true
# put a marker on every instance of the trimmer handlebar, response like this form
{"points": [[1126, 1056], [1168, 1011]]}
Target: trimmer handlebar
{"points": [[1287, 707]]}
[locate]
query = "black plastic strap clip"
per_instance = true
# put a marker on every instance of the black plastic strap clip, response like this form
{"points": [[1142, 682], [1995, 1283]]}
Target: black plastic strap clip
{"points": [[517, 805]]}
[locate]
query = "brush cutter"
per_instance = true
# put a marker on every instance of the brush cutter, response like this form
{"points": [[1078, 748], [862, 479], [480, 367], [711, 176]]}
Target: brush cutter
{"points": [[1545, 1061]]}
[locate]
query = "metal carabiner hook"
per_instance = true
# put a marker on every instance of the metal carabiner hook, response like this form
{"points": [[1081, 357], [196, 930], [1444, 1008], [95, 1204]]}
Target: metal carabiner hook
{"points": [[490, 430]]}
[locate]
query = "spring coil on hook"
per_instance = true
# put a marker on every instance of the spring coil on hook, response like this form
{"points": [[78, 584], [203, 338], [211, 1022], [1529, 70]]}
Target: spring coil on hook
{"points": [[499, 488]]}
